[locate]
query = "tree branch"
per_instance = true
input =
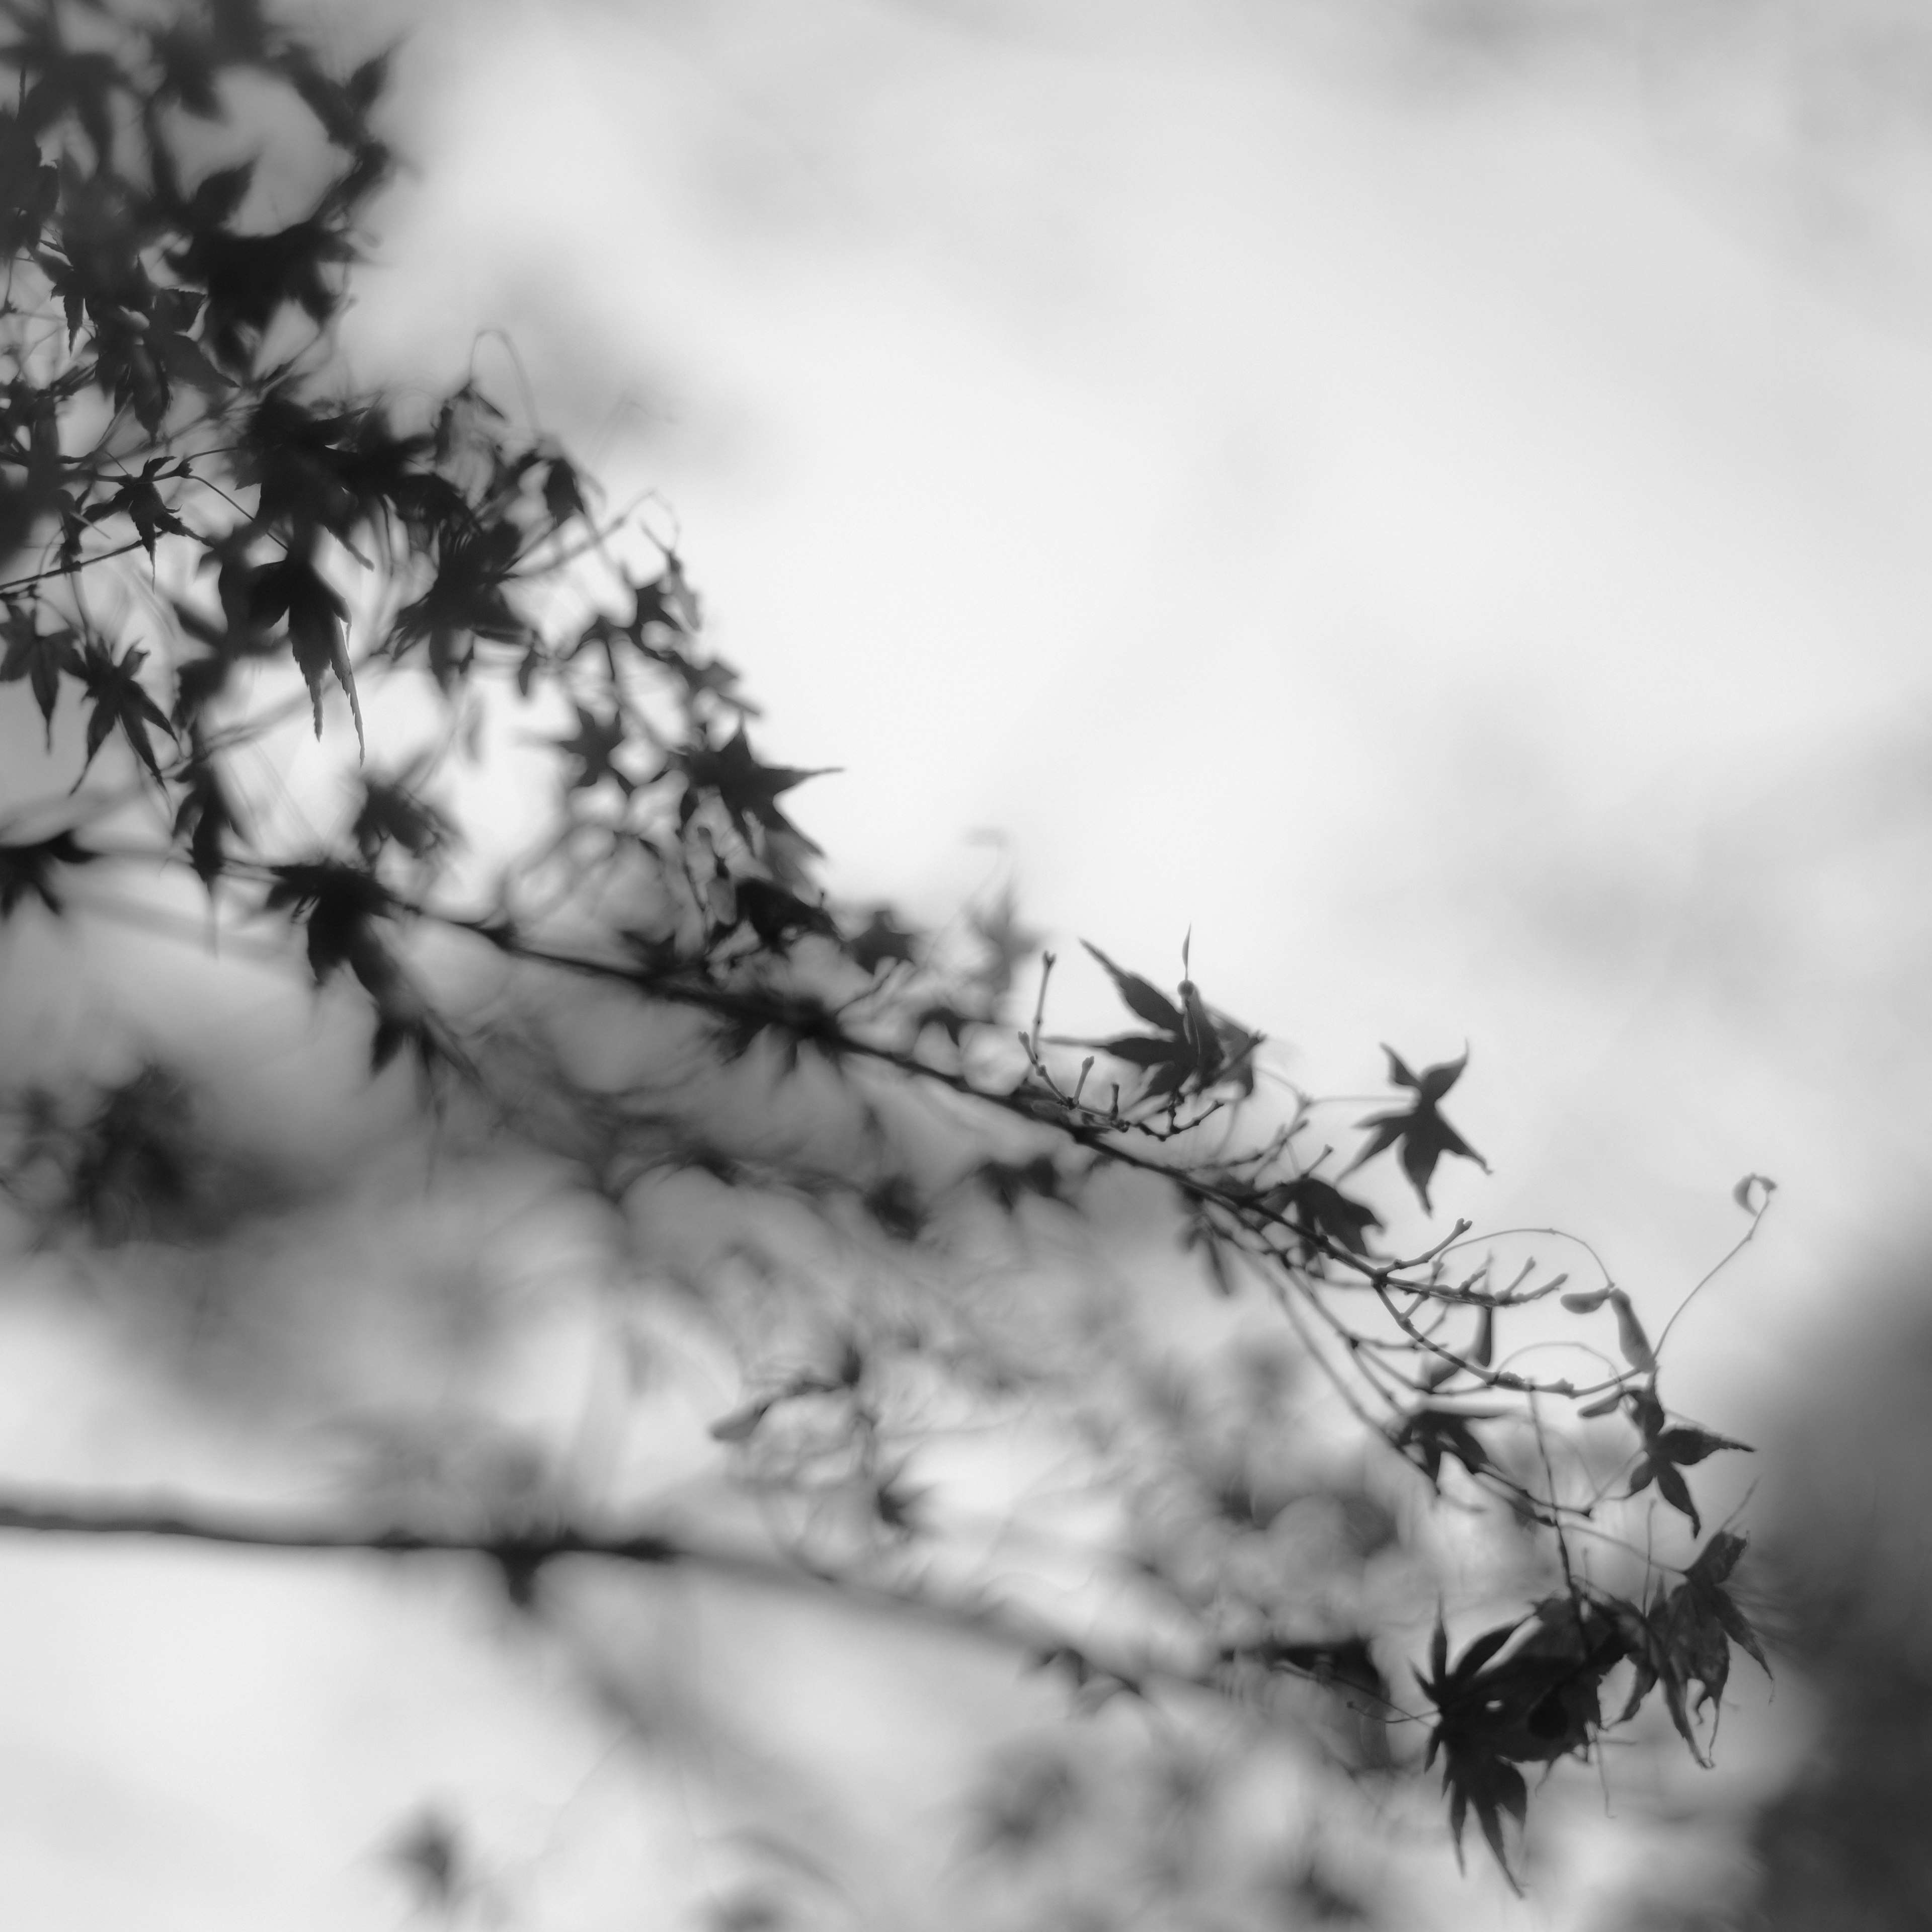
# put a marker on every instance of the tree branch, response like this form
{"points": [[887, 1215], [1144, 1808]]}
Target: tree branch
{"points": [[521, 1551]]}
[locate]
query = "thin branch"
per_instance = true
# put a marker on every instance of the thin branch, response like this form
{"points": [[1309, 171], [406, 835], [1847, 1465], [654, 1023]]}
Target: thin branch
{"points": [[521, 1551]]}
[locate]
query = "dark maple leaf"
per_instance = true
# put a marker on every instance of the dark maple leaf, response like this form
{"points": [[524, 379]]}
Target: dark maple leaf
{"points": [[1685, 1444], [118, 698], [1142, 998], [29, 189], [140, 502], [882, 941], [338, 906], [392, 814], [1526, 1692], [187, 57], [1430, 1433], [709, 677], [206, 818], [1683, 1641], [468, 597], [1667, 1450], [316, 616], [30, 869], [1424, 1135], [777, 915], [249, 278], [667, 599], [316, 469], [595, 745], [1194, 1049], [1670, 1486], [1321, 1213], [81, 82], [40, 657], [562, 490], [748, 791]]}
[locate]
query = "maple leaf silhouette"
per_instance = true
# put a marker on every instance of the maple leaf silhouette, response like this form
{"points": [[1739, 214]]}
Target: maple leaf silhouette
{"points": [[1425, 1136], [776, 916], [1685, 1638], [1537, 1704], [748, 791], [1194, 1047], [316, 615], [881, 942], [40, 657], [595, 745], [29, 868], [1431, 1433], [1322, 1212], [1667, 1451], [206, 818], [115, 690], [141, 503]]}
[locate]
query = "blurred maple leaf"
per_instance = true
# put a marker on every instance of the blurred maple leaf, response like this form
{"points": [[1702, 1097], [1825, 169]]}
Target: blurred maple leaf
{"points": [[748, 791], [1424, 1136]]}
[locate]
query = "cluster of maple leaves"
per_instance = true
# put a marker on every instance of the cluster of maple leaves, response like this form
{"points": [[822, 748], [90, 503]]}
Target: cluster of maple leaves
{"points": [[166, 397]]}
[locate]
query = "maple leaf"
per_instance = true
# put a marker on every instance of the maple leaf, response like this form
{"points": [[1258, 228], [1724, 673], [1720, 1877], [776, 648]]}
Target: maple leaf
{"points": [[563, 491], [595, 745], [710, 677], [882, 941], [1195, 1048], [1432, 1433], [1321, 1213], [1474, 1777], [469, 597], [32, 189], [206, 818], [140, 502], [39, 656], [1683, 1641], [115, 690], [1142, 998], [1536, 1703], [390, 814], [667, 599], [337, 905], [317, 619], [317, 614], [249, 277], [748, 791], [1424, 1135], [29, 868], [777, 916], [1668, 1450]]}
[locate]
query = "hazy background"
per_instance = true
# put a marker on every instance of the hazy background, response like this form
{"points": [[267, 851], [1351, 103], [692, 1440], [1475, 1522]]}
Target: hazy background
{"points": [[1433, 499]]}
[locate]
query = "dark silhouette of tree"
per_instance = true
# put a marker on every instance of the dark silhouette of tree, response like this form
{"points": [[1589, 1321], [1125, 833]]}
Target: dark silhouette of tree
{"points": [[212, 546]]}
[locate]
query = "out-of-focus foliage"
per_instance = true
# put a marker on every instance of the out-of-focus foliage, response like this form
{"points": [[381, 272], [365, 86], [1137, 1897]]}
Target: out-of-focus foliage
{"points": [[212, 545]]}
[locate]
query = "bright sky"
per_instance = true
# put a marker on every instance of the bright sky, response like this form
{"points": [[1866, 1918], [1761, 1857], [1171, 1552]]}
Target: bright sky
{"points": [[1440, 536]]}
